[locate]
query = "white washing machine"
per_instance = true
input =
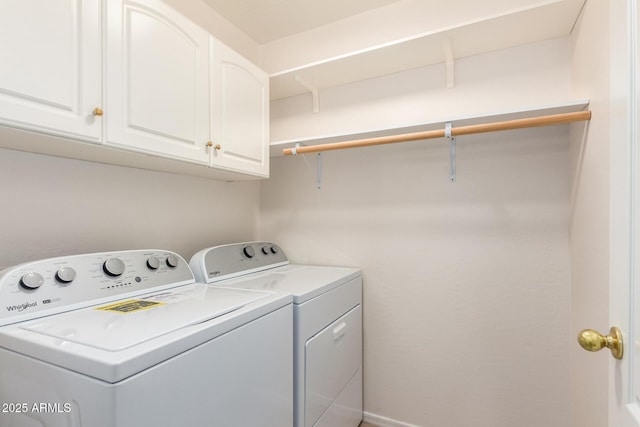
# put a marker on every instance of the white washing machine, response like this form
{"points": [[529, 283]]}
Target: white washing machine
{"points": [[128, 339], [327, 310]]}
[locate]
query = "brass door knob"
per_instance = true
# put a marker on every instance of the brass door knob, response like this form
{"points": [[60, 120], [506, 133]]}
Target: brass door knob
{"points": [[97, 112], [592, 340]]}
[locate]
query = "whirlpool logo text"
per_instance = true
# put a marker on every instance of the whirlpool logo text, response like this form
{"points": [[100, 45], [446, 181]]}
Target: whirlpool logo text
{"points": [[21, 307]]}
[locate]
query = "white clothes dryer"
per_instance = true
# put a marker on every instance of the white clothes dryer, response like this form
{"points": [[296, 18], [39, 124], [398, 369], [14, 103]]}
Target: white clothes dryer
{"points": [[327, 326], [128, 339]]}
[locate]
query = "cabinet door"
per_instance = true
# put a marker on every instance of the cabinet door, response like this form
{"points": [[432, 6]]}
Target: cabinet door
{"points": [[157, 81], [50, 66], [239, 112]]}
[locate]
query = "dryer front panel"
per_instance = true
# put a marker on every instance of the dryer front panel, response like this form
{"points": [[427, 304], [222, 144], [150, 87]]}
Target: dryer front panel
{"points": [[333, 357]]}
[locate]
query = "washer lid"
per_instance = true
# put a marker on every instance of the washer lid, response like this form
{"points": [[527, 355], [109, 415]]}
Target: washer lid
{"points": [[126, 323]]}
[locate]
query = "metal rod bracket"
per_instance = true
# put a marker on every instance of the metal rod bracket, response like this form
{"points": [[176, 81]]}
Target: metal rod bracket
{"points": [[319, 171], [452, 151], [294, 151]]}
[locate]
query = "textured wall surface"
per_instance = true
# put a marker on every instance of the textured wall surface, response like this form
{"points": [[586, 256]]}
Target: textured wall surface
{"points": [[53, 206], [466, 285]]}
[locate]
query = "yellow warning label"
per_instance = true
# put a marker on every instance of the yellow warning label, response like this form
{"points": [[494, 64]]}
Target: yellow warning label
{"points": [[130, 306]]}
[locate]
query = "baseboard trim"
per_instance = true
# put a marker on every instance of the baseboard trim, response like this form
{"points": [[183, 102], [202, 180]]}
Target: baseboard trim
{"points": [[381, 421]]}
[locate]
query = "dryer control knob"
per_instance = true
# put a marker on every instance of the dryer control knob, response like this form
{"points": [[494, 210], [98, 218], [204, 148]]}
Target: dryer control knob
{"points": [[265, 250], [65, 274], [153, 263], [172, 261], [114, 267], [248, 252], [31, 281], [274, 249]]}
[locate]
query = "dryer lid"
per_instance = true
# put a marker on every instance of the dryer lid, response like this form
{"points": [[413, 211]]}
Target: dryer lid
{"points": [[123, 324], [303, 282]]}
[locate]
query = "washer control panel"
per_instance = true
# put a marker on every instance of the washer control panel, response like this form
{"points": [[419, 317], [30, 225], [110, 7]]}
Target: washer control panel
{"points": [[227, 261], [53, 285]]}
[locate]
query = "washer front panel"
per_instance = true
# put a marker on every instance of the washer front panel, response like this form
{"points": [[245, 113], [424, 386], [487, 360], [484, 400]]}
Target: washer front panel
{"points": [[40, 288]]}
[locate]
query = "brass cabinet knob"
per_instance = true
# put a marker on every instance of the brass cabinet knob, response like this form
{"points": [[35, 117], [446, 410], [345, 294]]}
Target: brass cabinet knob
{"points": [[98, 112], [209, 144], [217, 147], [592, 340]]}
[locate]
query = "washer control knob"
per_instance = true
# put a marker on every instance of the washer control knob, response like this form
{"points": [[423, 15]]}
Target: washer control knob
{"points": [[114, 267], [248, 252], [172, 261], [31, 280], [274, 249], [65, 274], [265, 250], [153, 262]]}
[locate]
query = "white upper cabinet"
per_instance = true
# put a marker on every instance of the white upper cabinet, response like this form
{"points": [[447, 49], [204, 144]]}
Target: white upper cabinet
{"points": [[157, 81], [147, 86], [50, 73], [239, 112]]}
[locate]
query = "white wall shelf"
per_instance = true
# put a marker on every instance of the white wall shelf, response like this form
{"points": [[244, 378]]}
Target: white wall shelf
{"points": [[543, 21], [567, 107]]}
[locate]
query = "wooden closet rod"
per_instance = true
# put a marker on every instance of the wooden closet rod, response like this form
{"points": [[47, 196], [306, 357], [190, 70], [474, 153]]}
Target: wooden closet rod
{"points": [[554, 119]]}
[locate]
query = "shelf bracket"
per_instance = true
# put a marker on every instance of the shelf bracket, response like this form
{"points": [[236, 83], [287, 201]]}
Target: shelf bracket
{"points": [[294, 151], [449, 59], [319, 170], [314, 93], [452, 152]]}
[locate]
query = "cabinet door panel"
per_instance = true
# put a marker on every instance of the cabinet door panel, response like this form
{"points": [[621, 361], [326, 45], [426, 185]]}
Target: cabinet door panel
{"points": [[50, 78], [240, 112], [241, 106], [157, 81]]}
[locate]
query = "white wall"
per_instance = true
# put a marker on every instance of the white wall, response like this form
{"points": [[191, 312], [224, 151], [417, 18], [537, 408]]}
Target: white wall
{"points": [[466, 285], [54, 206]]}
